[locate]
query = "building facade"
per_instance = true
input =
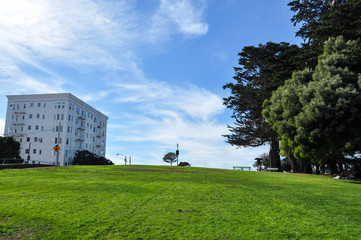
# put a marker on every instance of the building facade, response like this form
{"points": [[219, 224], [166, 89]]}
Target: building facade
{"points": [[42, 121]]}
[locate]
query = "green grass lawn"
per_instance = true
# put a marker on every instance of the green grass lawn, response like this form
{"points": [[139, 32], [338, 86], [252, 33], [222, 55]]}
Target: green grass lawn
{"points": [[154, 202]]}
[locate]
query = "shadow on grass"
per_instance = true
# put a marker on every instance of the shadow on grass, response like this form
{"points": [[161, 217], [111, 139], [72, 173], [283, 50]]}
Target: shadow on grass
{"points": [[356, 182]]}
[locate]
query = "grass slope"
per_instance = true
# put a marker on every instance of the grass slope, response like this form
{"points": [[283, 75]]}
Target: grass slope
{"points": [[154, 202]]}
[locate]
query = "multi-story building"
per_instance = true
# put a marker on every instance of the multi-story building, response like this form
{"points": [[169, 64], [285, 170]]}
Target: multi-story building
{"points": [[42, 121]]}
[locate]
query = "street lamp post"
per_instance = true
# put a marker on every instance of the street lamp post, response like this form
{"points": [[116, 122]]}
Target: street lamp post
{"points": [[125, 158], [177, 153]]}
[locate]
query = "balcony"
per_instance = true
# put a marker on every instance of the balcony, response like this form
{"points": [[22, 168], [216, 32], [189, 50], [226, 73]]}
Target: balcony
{"points": [[18, 134], [18, 123], [81, 117], [19, 112]]}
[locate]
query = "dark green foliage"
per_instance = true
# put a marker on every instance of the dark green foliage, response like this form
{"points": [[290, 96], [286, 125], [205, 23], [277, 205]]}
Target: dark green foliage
{"points": [[317, 112], [262, 70], [170, 157], [9, 148], [87, 158], [184, 164], [321, 19]]}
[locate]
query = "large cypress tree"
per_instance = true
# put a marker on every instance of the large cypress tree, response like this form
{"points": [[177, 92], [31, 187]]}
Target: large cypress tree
{"points": [[262, 70]]}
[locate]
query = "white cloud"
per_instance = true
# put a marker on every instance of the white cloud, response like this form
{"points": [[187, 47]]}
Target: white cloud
{"points": [[85, 36], [184, 15], [37, 36]]}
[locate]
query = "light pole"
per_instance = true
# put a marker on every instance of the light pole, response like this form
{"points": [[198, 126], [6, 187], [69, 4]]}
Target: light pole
{"points": [[177, 153], [125, 158]]}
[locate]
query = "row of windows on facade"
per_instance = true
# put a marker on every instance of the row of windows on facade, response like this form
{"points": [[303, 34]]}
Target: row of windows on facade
{"points": [[55, 140], [31, 105], [60, 105], [84, 113], [56, 129], [57, 117], [52, 153], [89, 147], [27, 151]]}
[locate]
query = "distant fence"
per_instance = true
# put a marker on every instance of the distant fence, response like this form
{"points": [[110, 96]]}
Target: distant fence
{"points": [[6, 163]]}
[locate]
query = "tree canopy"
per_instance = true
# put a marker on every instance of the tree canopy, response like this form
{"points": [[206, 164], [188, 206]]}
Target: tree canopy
{"points": [[170, 157], [320, 19], [9, 148], [88, 158], [317, 112], [262, 70]]}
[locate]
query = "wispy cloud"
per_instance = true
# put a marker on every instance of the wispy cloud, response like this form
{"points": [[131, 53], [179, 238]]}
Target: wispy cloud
{"points": [[184, 16], [97, 44]]}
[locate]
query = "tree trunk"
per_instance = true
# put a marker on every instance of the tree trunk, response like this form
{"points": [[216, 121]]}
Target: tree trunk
{"points": [[274, 154], [332, 163], [305, 166], [294, 167]]}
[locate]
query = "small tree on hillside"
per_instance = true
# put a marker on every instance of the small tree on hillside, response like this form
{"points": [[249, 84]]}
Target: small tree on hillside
{"points": [[170, 157]]}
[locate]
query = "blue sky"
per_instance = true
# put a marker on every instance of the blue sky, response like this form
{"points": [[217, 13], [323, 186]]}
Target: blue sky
{"points": [[155, 67]]}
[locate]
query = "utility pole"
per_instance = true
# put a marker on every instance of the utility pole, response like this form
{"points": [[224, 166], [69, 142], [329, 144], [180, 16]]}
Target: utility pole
{"points": [[28, 158], [125, 158], [177, 153], [57, 143]]}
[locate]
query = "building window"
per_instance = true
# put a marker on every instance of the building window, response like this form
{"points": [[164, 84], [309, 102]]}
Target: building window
{"points": [[20, 140], [39, 104], [30, 116], [42, 128], [43, 116], [35, 139], [31, 105], [44, 105], [39, 152], [24, 105], [38, 115], [28, 139], [56, 140], [34, 151], [29, 127], [27, 151], [37, 127]]}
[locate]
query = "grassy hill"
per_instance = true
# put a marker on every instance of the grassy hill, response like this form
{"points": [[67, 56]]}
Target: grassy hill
{"points": [[155, 202]]}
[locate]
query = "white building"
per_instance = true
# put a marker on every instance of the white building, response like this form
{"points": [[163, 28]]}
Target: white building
{"points": [[42, 121]]}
